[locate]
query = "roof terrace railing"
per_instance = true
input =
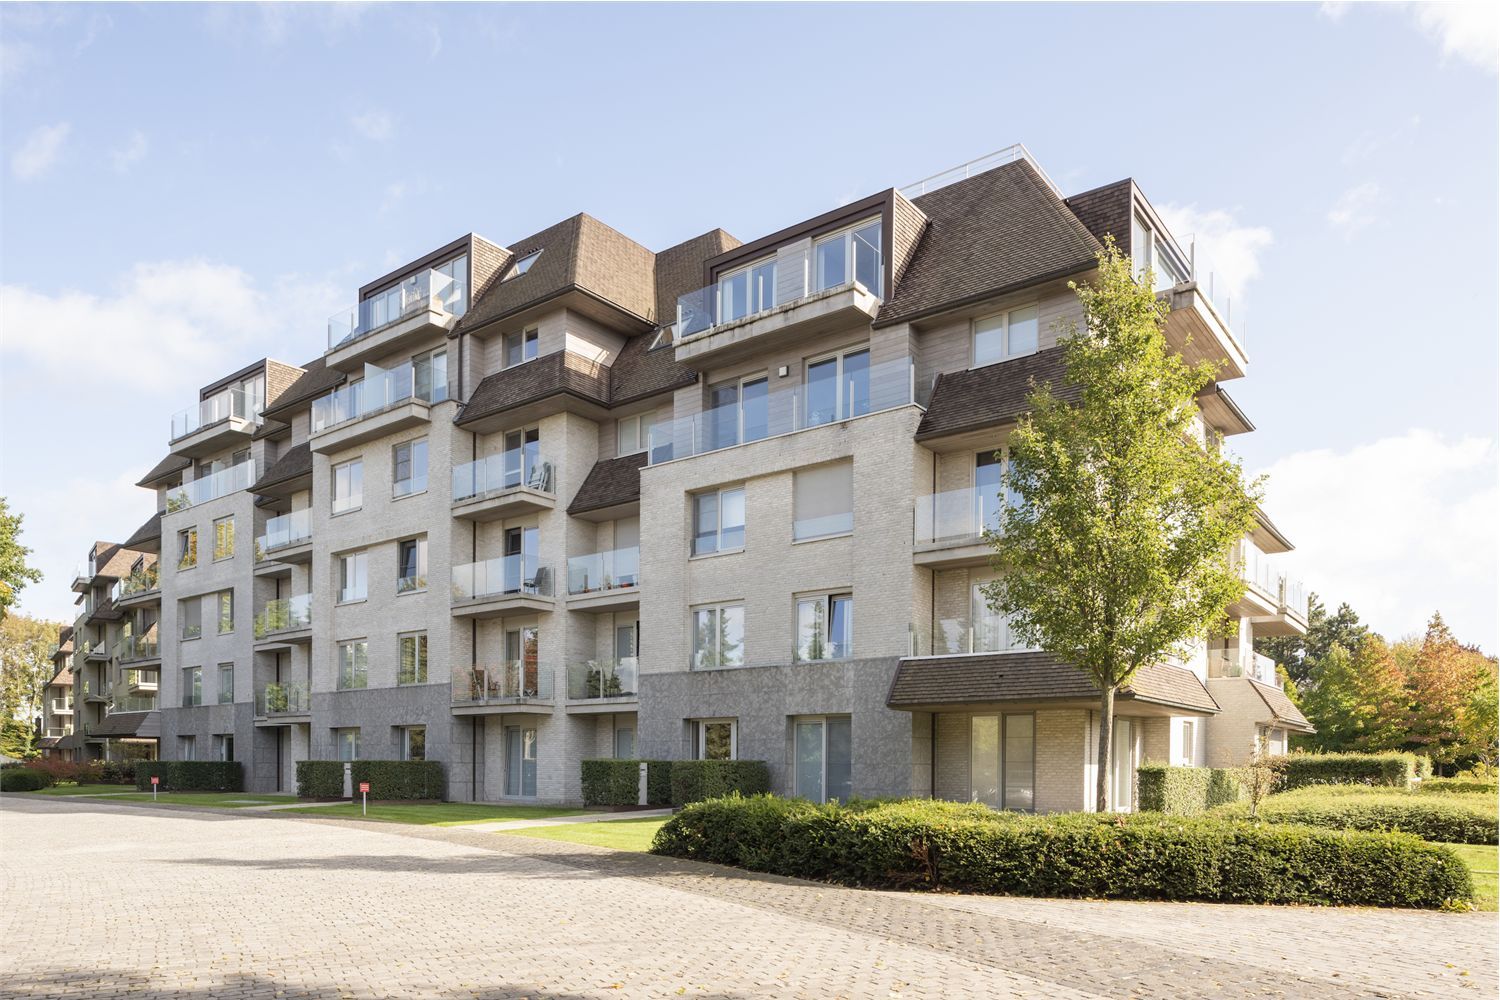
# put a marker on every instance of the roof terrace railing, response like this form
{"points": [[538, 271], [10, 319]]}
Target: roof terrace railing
{"points": [[999, 158]]}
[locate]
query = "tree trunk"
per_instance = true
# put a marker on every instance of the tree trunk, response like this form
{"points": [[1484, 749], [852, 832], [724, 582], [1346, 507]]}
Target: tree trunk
{"points": [[1106, 737]]}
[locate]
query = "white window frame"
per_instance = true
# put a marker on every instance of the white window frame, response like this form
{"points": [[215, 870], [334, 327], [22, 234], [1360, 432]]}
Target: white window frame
{"points": [[1007, 352], [718, 654], [700, 737], [192, 680], [229, 520], [341, 739], [187, 748], [531, 336], [1008, 641], [183, 618], [406, 732], [748, 272], [346, 562], [847, 235], [187, 540], [419, 657], [841, 532], [419, 583], [1002, 728], [739, 383], [420, 481], [843, 409], [219, 605], [826, 599], [719, 547], [822, 721], [346, 656], [223, 669], [437, 390], [351, 500], [640, 427], [1187, 753]]}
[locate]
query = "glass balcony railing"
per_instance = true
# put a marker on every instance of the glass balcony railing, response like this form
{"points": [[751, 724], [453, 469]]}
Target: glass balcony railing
{"points": [[858, 390], [1294, 596], [283, 698], [509, 470], [379, 389], [427, 291], [286, 614], [962, 635], [1237, 663], [957, 515], [592, 679], [519, 574], [283, 532], [513, 680], [236, 403], [140, 581], [61, 706], [58, 732], [139, 647], [610, 570], [141, 680], [132, 703], [211, 487]]}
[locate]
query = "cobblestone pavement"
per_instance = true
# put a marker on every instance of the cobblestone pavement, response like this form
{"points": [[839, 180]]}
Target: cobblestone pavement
{"points": [[104, 899]]}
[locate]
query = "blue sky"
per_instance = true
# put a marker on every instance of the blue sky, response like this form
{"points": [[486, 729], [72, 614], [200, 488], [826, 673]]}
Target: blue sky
{"points": [[186, 189]]}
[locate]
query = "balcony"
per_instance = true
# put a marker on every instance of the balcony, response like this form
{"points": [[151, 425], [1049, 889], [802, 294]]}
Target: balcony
{"points": [[1233, 663], [57, 732], [211, 487], [138, 681], [506, 585], [134, 648], [95, 652], [385, 401], [949, 527], [283, 622], [222, 421], [516, 682], [82, 580], [605, 581], [602, 684], [141, 587], [61, 706], [95, 693], [288, 538], [131, 703], [779, 301], [1274, 603], [512, 482], [961, 635], [419, 306], [858, 392], [283, 704]]}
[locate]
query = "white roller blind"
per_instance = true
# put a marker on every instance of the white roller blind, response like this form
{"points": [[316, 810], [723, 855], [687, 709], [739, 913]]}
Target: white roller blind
{"points": [[824, 497]]}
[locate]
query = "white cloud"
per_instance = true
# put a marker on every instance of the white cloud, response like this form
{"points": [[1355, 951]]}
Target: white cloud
{"points": [[434, 41], [128, 155], [18, 56], [373, 124], [40, 151], [1333, 11], [1467, 31], [1220, 245], [1399, 528], [1355, 209]]}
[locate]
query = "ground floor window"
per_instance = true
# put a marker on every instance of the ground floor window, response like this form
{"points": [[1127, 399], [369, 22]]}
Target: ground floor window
{"points": [[625, 743], [348, 743], [187, 748], [823, 758], [1122, 765], [520, 761], [414, 743], [1188, 735], [1002, 760], [224, 747], [717, 739]]}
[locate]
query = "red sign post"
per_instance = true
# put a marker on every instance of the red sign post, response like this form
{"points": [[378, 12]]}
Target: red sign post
{"points": [[364, 798], [155, 780]]}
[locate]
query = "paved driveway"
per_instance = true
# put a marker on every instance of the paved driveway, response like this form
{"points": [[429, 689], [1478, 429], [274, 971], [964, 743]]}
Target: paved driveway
{"points": [[105, 899]]}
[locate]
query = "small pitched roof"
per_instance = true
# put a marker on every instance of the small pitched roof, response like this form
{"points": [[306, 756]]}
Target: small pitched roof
{"points": [[549, 375], [143, 724], [993, 233], [611, 482], [994, 395], [164, 470], [294, 463], [1105, 211], [150, 531], [316, 379], [1282, 709]]}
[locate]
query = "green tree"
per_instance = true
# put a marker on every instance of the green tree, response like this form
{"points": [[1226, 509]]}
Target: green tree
{"points": [[1444, 679], [15, 574], [25, 668], [1302, 655], [1481, 723], [1117, 555], [17, 739]]}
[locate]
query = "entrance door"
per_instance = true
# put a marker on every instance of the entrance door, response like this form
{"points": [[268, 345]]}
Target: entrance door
{"points": [[1122, 766], [520, 761]]}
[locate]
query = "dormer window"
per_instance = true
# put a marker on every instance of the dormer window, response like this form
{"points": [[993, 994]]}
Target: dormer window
{"points": [[520, 347], [851, 255], [523, 265]]}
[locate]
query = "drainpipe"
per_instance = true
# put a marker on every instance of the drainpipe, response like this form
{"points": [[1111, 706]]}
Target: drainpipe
{"points": [[932, 758]]}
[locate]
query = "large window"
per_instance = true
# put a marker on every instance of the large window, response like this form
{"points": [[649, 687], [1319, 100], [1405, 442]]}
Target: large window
{"points": [[187, 748], [823, 497], [192, 686], [414, 743], [347, 741], [747, 291], [520, 761], [190, 617], [822, 749], [226, 683], [719, 521], [1187, 742], [348, 486], [633, 434], [825, 627], [223, 538], [1006, 335], [992, 632], [224, 600], [223, 746], [187, 548], [1002, 760], [430, 376], [1149, 252], [851, 255], [354, 584], [838, 387], [719, 637], [354, 664], [717, 739], [522, 460], [411, 565], [409, 468], [520, 347], [411, 651], [738, 411]]}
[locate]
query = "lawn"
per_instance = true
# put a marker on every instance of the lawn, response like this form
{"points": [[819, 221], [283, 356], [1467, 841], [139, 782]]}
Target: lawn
{"points": [[1484, 864], [434, 814], [619, 834], [223, 800], [82, 790]]}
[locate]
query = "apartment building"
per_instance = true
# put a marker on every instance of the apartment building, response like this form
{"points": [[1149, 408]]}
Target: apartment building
{"points": [[56, 723], [571, 498]]}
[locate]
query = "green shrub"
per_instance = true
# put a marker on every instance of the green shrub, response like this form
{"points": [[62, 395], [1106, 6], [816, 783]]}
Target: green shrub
{"points": [[1459, 786], [320, 779], [23, 779], [1455, 817], [191, 775], [617, 782], [118, 772], [968, 848], [399, 779], [696, 780], [1393, 769], [1186, 791]]}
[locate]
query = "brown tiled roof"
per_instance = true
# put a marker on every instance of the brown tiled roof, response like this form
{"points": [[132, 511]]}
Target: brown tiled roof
{"points": [[679, 269], [106, 611], [995, 232], [1033, 676], [150, 531], [165, 469], [143, 724], [548, 375], [1105, 211], [1282, 709], [63, 678], [640, 372], [578, 253], [993, 395], [296, 461], [612, 481], [315, 380], [115, 562]]}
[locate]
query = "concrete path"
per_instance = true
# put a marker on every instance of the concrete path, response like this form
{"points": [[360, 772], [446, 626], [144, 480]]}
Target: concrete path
{"points": [[107, 900], [500, 826]]}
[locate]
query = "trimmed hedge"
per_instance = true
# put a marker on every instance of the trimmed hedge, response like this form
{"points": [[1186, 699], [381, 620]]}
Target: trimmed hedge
{"points": [[920, 844], [617, 782], [1395, 769], [1459, 786], [1186, 791], [23, 779], [320, 779], [1456, 818], [696, 780], [400, 779], [191, 775]]}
